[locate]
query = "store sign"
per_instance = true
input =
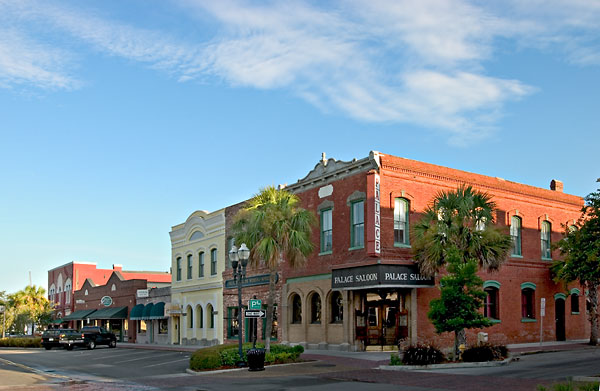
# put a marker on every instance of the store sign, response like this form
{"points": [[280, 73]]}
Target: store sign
{"points": [[261, 279], [142, 293], [377, 200], [380, 276], [106, 301], [79, 301]]}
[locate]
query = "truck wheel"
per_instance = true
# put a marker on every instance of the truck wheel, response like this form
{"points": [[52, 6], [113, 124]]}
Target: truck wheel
{"points": [[47, 347], [91, 345], [112, 344], [69, 347]]}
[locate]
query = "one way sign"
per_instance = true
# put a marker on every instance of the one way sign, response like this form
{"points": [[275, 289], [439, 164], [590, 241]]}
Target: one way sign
{"points": [[255, 314]]}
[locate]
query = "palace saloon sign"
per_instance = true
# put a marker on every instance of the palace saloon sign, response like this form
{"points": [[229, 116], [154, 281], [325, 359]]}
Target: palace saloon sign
{"points": [[380, 276]]}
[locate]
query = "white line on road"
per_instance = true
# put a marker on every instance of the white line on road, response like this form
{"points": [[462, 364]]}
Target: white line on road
{"points": [[167, 362]]}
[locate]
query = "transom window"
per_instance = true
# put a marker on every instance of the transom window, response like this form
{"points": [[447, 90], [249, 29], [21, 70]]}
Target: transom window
{"points": [[545, 238], [401, 209], [515, 235], [357, 232], [326, 230]]}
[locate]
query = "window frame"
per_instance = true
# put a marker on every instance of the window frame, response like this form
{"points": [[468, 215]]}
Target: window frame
{"points": [[201, 264], [575, 299], [213, 262], [336, 310], [354, 244], [296, 313], [178, 268], [323, 213], [189, 266], [528, 303], [546, 240], [491, 305], [231, 318], [398, 221], [316, 309], [516, 237]]}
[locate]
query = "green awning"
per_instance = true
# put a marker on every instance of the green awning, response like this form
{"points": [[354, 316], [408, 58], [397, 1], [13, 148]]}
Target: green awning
{"points": [[147, 311], [158, 311], [78, 315], [110, 313], [57, 321], [136, 312]]}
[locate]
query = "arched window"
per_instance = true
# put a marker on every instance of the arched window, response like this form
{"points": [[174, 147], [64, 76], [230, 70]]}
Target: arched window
{"points": [[545, 239], [190, 316], [527, 300], [296, 309], [189, 266], [178, 267], [315, 309], [515, 235], [574, 302], [200, 315], [113, 287], [68, 292], [401, 224], [201, 264], [85, 293], [211, 316], [337, 307], [491, 308], [213, 262]]}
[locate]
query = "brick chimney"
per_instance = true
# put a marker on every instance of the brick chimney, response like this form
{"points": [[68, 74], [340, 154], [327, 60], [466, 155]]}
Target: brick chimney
{"points": [[117, 267], [556, 185]]}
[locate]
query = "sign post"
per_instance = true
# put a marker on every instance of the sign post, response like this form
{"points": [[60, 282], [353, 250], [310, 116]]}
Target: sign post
{"points": [[542, 314]]}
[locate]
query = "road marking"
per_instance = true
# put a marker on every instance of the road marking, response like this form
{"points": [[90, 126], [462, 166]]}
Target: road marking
{"points": [[167, 362]]}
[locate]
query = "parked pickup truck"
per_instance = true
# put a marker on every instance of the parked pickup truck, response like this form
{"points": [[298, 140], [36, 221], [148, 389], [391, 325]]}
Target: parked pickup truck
{"points": [[90, 337], [51, 337]]}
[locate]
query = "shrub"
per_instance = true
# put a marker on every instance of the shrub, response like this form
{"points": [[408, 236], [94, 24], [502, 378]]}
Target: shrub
{"points": [[395, 359], [570, 387], [485, 352], [230, 357], [422, 355], [26, 342], [227, 355]]}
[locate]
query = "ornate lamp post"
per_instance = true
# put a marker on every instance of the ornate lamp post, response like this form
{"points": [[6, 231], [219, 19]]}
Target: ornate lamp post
{"points": [[239, 261]]}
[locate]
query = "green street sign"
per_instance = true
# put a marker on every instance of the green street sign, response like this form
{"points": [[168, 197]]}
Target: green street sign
{"points": [[254, 304]]}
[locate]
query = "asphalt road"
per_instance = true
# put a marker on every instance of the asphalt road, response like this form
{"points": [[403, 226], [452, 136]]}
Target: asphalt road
{"points": [[150, 370]]}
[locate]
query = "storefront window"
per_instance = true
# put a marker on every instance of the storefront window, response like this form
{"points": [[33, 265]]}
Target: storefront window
{"points": [[233, 329], [296, 309], [163, 326], [141, 327], [315, 309], [337, 308]]}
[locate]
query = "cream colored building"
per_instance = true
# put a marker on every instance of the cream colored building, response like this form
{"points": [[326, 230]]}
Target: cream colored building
{"points": [[198, 260]]}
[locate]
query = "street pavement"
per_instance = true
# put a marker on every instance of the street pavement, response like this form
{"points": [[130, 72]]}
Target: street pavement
{"points": [[152, 368]]}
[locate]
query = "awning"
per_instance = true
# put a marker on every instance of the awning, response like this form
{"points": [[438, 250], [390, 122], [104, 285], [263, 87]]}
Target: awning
{"points": [[158, 311], [78, 315], [147, 311], [110, 313], [136, 312], [57, 321]]}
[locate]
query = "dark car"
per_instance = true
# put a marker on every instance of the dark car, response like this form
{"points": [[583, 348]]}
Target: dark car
{"points": [[51, 337], [69, 338], [95, 335]]}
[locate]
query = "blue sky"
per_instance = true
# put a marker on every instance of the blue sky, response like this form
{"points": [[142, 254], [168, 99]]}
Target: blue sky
{"points": [[118, 119]]}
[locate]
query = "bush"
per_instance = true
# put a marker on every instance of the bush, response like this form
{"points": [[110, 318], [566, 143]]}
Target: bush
{"points": [[228, 355], [570, 386], [422, 355], [395, 359], [26, 342], [485, 352]]}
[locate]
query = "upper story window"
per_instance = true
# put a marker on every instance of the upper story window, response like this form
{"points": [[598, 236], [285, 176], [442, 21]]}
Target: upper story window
{"points": [[515, 235], [401, 209], [213, 262], [326, 230], [574, 303], [545, 239], [201, 264], [357, 229], [178, 267], [189, 266], [113, 288]]}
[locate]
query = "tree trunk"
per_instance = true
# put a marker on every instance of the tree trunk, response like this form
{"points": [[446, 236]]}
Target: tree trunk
{"points": [[593, 315], [460, 338], [270, 302]]}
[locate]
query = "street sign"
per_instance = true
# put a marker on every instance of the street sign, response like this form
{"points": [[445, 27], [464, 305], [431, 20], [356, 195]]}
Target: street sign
{"points": [[254, 304], [543, 307], [255, 314]]}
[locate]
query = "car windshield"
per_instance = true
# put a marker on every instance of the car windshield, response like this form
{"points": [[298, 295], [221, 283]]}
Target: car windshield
{"points": [[50, 333]]}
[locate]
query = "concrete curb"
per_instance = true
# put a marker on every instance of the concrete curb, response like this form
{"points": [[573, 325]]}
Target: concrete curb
{"points": [[445, 366], [591, 379]]}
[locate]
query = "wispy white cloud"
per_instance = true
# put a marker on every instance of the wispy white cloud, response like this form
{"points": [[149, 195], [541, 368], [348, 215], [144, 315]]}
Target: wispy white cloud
{"points": [[374, 60]]}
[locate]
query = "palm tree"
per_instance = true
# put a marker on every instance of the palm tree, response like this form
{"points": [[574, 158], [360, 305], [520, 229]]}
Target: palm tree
{"points": [[32, 303], [275, 228], [458, 226]]}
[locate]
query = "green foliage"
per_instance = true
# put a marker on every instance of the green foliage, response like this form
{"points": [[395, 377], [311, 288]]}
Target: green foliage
{"points": [[460, 301], [422, 355], [395, 359], [228, 356], [275, 228], [21, 342], [27, 306], [485, 352], [570, 386], [580, 250]]}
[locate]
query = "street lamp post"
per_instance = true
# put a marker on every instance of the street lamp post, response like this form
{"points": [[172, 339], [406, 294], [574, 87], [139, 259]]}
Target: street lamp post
{"points": [[239, 261]]}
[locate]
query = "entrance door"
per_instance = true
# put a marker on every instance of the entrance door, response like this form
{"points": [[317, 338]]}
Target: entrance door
{"points": [[559, 313], [382, 318]]}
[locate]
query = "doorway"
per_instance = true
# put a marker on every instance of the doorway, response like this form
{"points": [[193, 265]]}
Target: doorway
{"points": [[386, 319], [559, 313]]}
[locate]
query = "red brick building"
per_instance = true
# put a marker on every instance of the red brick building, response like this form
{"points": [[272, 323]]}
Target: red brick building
{"points": [[64, 280], [361, 287]]}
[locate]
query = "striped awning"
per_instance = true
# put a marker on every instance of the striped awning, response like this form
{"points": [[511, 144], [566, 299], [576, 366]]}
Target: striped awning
{"points": [[137, 312]]}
